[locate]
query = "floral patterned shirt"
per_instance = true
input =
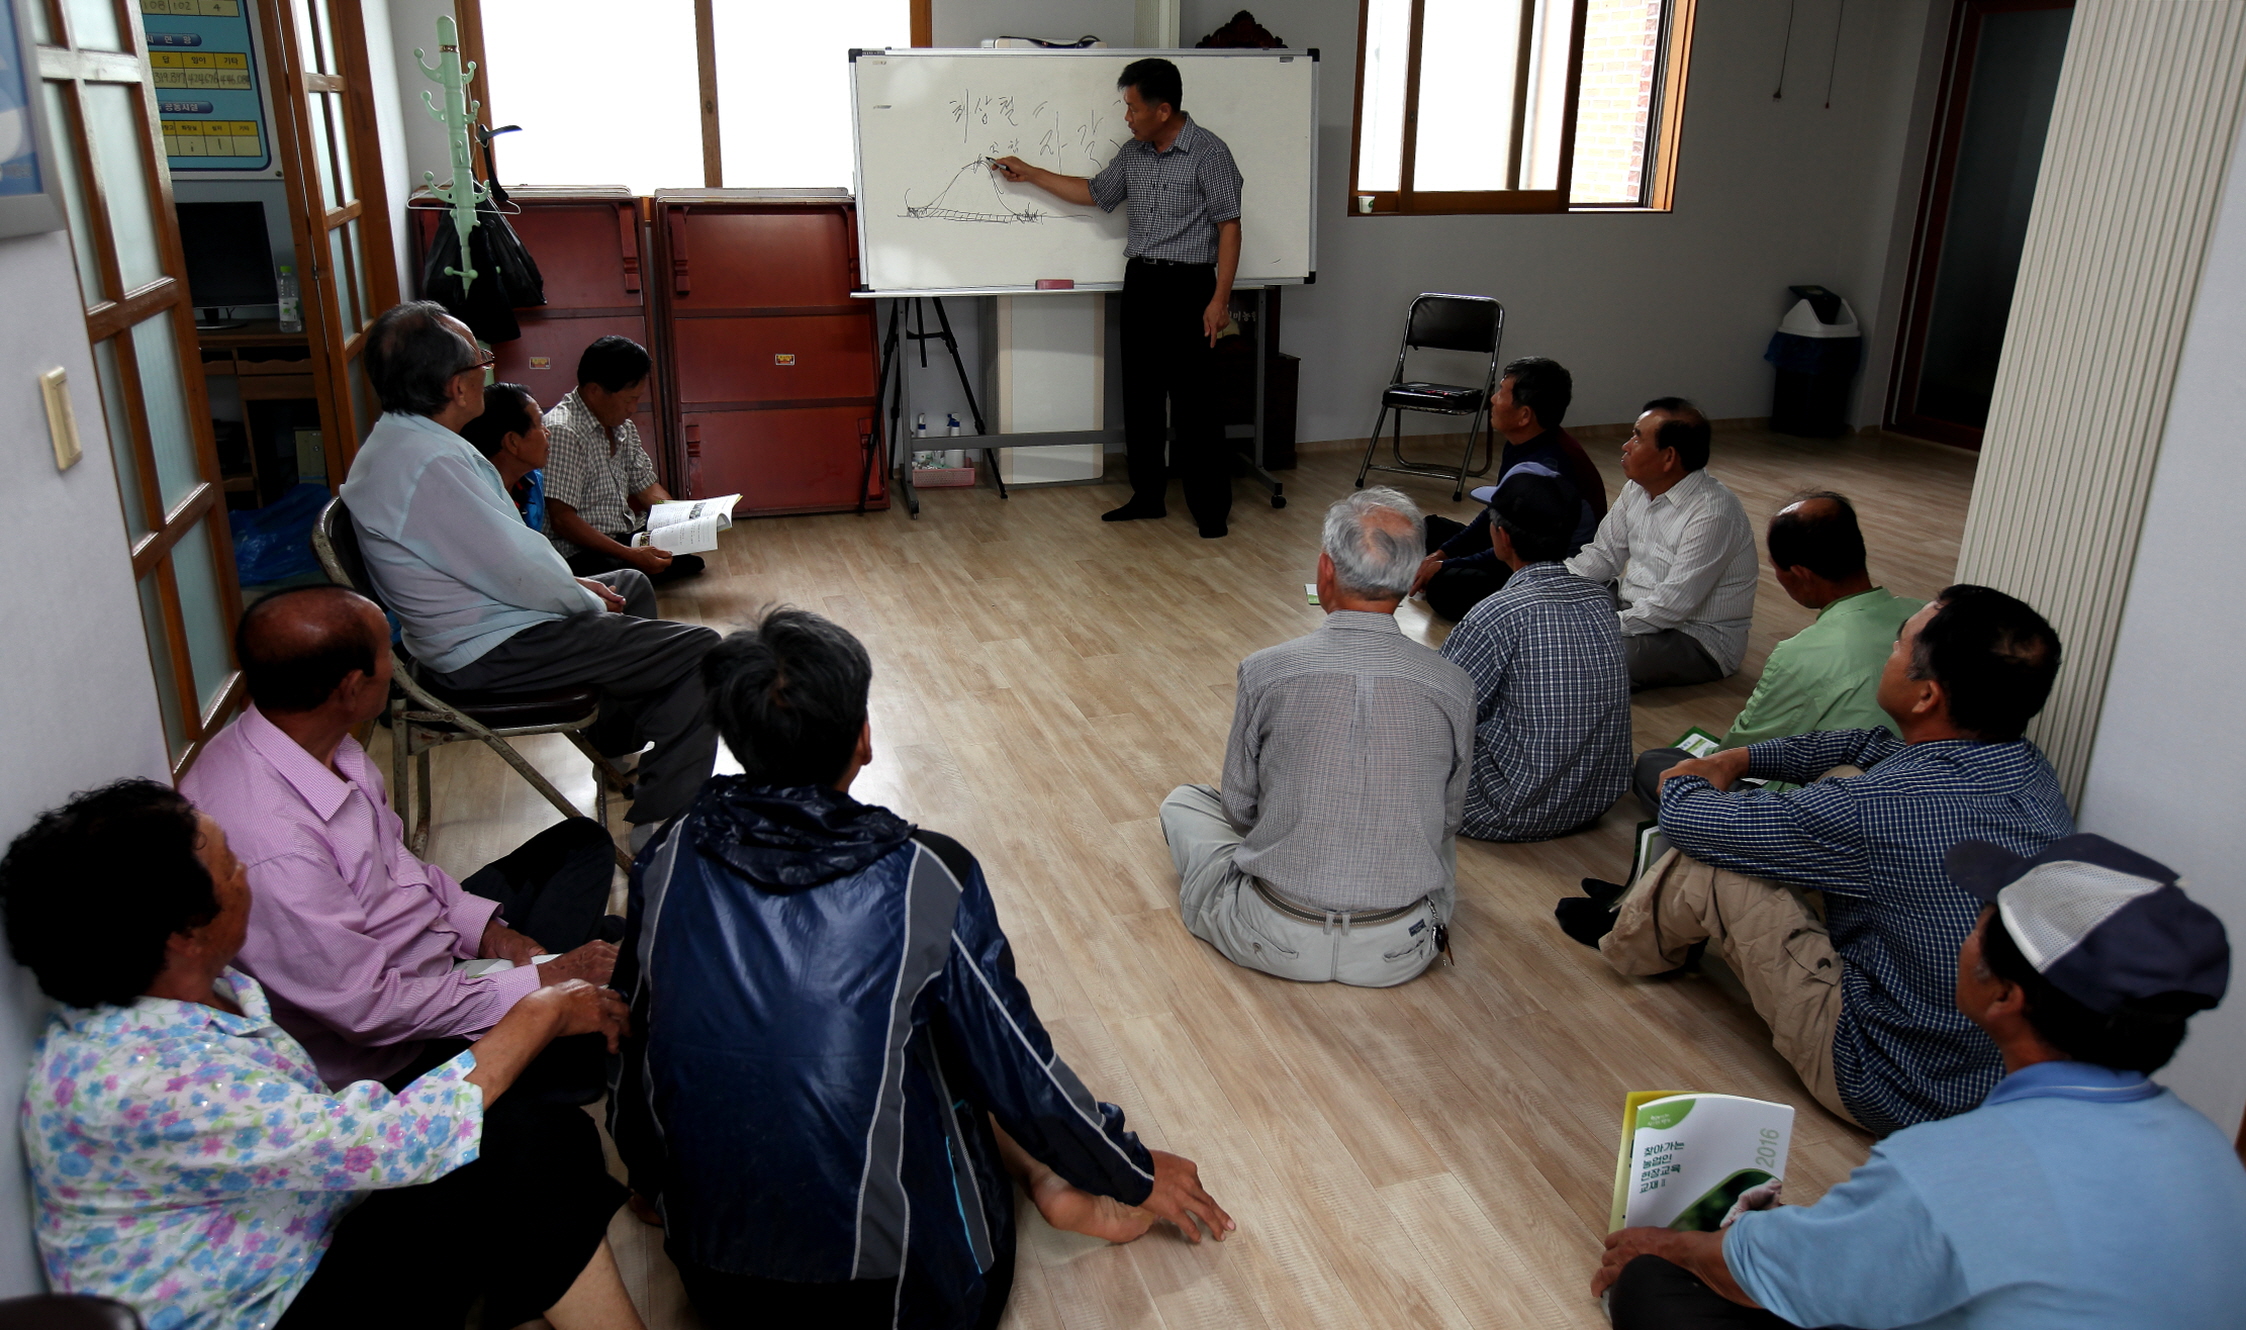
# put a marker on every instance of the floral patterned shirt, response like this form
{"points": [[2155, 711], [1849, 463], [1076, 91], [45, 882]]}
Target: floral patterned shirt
{"points": [[191, 1163]]}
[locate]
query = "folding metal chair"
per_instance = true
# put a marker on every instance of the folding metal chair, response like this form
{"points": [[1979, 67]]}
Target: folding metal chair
{"points": [[1442, 323], [424, 718]]}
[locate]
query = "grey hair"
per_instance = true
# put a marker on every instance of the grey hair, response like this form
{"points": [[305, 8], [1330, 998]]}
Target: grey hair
{"points": [[1371, 557], [412, 358]]}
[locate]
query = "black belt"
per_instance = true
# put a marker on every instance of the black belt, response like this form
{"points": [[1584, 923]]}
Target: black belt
{"points": [[1171, 263]]}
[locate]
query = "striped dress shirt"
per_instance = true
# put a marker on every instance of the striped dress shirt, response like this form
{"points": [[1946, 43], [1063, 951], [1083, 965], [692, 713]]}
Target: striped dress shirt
{"points": [[1686, 560], [1552, 716], [1347, 765], [1178, 195], [1874, 844]]}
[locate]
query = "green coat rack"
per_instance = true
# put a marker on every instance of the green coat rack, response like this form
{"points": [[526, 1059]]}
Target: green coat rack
{"points": [[458, 116]]}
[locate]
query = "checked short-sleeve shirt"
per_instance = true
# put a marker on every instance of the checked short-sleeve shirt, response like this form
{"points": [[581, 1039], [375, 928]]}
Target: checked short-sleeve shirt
{"points": [[1178, 196], [1552, 705], [592, 473], [1874, 845]]}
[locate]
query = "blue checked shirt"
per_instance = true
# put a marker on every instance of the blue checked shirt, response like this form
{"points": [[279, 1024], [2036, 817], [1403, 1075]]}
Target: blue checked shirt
{"points": [[1178, 196], [1551, 705], [1902, 1052]]}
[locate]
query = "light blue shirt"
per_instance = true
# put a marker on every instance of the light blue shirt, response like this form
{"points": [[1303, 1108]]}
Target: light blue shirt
{"points": [[2074, 1196], [446, 546]]}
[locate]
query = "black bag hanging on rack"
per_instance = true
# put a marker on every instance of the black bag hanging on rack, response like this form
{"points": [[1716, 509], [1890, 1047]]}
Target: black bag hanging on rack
{"points": [[507, 278]]}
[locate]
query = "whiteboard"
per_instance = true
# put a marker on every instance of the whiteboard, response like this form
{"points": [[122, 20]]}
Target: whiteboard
{"points": [[933, 218]]}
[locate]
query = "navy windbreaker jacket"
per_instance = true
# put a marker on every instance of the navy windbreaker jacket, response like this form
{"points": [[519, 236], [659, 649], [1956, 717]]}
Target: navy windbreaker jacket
{"points": [[824, 1010]]}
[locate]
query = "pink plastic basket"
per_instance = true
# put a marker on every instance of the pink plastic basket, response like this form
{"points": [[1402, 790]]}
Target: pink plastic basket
{"points": [[941, 477]]}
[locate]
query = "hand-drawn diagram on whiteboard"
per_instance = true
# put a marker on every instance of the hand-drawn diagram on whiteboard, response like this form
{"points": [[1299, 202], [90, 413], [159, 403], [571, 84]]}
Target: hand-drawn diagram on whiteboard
{"points": [[1070, 140]]}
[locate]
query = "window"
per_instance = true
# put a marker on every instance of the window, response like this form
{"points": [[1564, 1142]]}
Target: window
{"points": [[733, 94], [1517, 105]]}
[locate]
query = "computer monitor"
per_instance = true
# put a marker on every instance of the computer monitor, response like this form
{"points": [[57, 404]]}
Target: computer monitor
{"points": [[229, 259]]}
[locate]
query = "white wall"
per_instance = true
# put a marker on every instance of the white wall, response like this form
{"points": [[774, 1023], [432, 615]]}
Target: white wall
{"points": [[2164, 769], [389, 122], [78, 705]]}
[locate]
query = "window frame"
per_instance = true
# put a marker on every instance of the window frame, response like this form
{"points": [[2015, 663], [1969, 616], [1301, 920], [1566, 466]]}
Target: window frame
{"points": [[1657, 178]]}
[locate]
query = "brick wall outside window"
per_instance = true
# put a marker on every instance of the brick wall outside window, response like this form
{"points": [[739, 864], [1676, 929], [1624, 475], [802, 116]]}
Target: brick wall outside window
{"points": [[1619, 55]]}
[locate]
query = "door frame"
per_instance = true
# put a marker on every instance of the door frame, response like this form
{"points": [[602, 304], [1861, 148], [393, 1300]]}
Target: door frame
{"points": [[1947, 137], [296, 83]]}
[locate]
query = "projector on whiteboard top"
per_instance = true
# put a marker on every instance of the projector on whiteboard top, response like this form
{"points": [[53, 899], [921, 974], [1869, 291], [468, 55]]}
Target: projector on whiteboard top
{"points": [[1085, 43]]}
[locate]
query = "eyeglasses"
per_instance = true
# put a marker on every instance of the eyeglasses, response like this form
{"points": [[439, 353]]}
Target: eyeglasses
{"points": [[482, 362]]}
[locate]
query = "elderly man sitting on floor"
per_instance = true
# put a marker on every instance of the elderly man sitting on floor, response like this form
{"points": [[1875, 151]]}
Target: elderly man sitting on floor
{"points": [[1330, 853]]}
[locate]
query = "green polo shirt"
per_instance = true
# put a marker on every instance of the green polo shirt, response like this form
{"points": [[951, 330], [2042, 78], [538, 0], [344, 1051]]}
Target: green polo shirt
{"points": [[1826, 677]]}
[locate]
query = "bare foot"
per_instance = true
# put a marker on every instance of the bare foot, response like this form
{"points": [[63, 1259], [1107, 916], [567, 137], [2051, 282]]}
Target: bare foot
{"points": [[1073, 1210]]}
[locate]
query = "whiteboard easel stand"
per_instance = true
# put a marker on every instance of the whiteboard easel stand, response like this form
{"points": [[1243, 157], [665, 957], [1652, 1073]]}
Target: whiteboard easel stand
{"points": [[899, 451]]}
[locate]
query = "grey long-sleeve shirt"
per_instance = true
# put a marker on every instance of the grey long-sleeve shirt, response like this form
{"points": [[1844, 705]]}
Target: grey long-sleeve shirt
{"points": [[446, 547], [1347, 765]]}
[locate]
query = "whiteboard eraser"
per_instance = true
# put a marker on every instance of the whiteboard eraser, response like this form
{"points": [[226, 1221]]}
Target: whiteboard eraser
{"points": [[1056, 284]]}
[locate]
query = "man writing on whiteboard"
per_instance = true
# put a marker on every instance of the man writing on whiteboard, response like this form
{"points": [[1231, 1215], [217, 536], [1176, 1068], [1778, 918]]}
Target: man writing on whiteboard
{"points": [[1183, 250]]}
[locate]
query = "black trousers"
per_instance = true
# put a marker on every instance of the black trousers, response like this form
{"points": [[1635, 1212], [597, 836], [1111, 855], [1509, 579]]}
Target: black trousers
{"points": [[1652, 1294], [1645, 777], [516, 1228], [554, 886], [592, 563], [1168, 370], [738, 1302], [1453, 591]]}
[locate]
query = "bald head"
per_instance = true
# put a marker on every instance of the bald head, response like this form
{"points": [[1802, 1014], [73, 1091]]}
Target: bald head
{"points": [[298, 647]]}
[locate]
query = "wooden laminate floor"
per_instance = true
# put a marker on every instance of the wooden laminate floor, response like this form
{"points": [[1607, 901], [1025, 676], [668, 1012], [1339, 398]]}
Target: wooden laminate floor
{"points": [[1437, 1154]]}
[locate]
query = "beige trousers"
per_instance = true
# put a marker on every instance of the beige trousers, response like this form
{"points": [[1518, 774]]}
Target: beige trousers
{"points": [[1765, 931]]}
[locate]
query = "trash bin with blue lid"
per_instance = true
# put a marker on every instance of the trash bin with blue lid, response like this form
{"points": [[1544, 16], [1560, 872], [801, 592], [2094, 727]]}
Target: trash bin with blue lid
{"points": [[1816, 349]]}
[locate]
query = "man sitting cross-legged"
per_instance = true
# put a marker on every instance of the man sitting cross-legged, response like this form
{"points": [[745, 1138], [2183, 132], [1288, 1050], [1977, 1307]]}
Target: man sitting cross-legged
{"points": [[1329, 854], [2078, 1196], [1680, 551], [1552, 735], [1859, 1001], [1532, 398], [485, 602], [832, 1060], [1825, 677]]}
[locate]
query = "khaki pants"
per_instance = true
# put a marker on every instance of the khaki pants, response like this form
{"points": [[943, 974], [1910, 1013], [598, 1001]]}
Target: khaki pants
{"points": [[1764, 931], [1220, 905]]}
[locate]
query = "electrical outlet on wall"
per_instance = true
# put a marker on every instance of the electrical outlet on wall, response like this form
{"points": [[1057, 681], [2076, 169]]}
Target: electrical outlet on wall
{"points": [[62, 423]]}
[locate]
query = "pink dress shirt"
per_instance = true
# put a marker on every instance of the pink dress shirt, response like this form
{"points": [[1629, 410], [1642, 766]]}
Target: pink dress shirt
{"points": [[353, 938]]}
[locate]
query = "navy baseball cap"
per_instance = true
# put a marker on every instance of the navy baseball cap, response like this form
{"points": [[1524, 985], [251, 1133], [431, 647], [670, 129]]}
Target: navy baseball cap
{"points": [[2103, 923]]}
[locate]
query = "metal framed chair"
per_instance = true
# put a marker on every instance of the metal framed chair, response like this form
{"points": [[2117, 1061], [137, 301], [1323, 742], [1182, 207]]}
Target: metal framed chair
{"points": [[424, 717], [1437, 322]]}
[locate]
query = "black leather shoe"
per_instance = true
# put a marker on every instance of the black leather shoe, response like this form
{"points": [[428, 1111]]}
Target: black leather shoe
{"points": [[1212, 530], [1134, 511], [1584, 919]]}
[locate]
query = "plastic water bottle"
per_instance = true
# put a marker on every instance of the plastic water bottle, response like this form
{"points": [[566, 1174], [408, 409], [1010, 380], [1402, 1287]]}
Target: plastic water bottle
{"points": [[292, 305]]}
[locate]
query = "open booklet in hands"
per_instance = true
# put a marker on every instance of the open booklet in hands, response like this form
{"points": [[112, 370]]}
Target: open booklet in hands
{"points": [[1692, 1162], [688, 526]]}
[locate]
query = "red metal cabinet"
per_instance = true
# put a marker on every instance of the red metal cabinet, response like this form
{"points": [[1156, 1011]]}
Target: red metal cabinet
{"points": [[588, 244], [770, 360]]}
